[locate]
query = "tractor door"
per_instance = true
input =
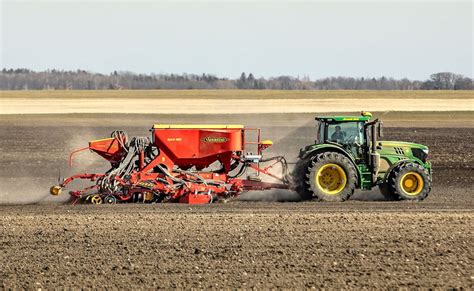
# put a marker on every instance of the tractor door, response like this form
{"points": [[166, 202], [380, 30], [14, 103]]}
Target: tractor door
{"points": [[351, 135]]}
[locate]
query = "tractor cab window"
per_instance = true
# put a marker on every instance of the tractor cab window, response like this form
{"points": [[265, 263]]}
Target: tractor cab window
{"points": [[348, 134]]}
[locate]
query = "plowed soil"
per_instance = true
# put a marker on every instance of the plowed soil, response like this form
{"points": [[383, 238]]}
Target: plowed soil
{"points": [[257, 242]]}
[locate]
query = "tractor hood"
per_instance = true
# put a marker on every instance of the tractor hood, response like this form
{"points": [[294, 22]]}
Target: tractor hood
{"points": [[402, 144], [407, 149]]}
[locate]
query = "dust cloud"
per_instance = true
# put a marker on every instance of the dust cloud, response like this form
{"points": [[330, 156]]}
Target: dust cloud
{"points": [[372, 195], [275, 195], [31, 187], [25, 190]]}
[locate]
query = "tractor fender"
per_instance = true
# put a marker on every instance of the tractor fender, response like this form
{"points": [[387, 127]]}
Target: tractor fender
{"points": [[304, 154], [399, 163]]}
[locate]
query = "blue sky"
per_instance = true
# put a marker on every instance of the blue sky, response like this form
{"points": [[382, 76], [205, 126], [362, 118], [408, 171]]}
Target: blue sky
{"points": [[271, 38]]}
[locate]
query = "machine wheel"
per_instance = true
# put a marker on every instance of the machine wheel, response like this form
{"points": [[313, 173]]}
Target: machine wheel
{"points": [[148, 197], [96, 199], [109, 199], [410, 181], [298, 176], [332, 177]]}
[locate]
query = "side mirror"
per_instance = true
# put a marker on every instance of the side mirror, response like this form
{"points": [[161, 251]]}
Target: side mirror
{"points": [[380, 129]]}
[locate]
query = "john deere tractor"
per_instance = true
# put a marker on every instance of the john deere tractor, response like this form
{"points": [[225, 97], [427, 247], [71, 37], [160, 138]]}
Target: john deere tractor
{"points": [[348, 155]]}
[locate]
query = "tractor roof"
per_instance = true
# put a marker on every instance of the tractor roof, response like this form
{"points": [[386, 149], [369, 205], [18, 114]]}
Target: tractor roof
{"points": [[364, 116], [343, 118]]}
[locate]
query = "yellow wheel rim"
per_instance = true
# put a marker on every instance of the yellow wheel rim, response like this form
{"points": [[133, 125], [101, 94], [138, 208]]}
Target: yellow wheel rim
{"points": [[148, 196], [55, 190], [331, 179], [412, 183], [96, 199]]}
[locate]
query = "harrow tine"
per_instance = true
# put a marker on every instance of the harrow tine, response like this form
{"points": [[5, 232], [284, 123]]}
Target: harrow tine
{"points": [[60, 179]]}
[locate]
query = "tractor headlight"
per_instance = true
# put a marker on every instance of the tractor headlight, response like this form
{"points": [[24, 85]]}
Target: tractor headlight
{"points": [[426, 152]]}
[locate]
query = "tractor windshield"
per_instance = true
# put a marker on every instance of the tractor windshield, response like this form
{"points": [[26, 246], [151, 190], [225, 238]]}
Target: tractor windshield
{"points": [[346, 133]]}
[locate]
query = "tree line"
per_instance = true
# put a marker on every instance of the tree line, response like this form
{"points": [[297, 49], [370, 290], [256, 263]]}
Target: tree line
{"points": [[25, 79]]}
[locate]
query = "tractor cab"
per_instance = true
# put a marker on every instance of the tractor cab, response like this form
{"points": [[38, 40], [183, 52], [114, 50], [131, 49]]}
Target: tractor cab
{"points": [[352, 133]]}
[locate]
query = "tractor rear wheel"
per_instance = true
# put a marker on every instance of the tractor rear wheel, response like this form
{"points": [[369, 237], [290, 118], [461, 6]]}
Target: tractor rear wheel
{"points": [[332, 177], [410, 181], [298, 176]]}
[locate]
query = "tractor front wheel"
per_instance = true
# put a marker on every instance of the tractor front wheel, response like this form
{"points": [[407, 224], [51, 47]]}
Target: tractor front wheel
{"points": [[332, 177], [410, 181]]}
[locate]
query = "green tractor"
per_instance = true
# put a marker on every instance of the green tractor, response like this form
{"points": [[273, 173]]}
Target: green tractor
{"points": [[348, 155]]}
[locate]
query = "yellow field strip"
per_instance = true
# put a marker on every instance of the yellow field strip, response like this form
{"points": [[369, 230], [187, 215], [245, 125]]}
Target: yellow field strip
{"points": [[240, 94], [229, 106]]}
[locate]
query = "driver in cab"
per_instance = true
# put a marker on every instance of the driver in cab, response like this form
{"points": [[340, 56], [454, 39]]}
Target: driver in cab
{"points": [[338, 134]]}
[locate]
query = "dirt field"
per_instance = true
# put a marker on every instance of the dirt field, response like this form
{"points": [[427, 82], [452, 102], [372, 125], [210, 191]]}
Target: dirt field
{"points": [[364, 242], [263, 245]]}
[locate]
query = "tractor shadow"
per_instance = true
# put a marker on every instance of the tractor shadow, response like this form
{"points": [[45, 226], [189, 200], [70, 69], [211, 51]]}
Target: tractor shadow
{"points": [[279, 195]]}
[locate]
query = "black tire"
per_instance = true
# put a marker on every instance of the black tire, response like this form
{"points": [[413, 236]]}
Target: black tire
{"points": [[110, 199], [323, 159], [399, 172], [298, 179]]}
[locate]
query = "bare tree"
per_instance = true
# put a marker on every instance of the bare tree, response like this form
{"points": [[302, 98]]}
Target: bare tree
{"points": [[21, 79], [445, 80]]}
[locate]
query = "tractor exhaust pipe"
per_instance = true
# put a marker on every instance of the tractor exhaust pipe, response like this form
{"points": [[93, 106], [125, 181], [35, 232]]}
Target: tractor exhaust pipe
{"points": [[374, 156], [374, 136]]}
